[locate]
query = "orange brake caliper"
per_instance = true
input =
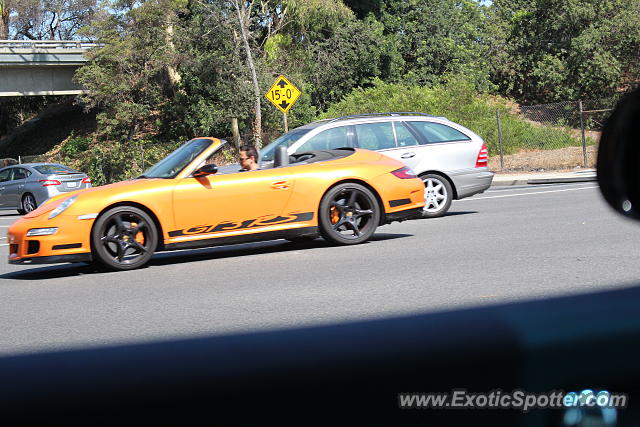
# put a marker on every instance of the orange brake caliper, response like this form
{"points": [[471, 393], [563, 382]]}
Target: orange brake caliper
{"points": [[334, 214], [139, 234]]}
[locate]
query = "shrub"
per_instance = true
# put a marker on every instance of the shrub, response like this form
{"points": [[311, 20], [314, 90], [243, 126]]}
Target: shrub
{"points": [[458, 101]]}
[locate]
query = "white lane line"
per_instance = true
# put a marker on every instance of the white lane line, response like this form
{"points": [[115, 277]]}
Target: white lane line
{"points": [[526, 194], [504, 189]]}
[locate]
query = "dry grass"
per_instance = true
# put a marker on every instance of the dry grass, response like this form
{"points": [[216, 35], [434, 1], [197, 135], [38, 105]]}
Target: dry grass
{"points": [[544, 160]]}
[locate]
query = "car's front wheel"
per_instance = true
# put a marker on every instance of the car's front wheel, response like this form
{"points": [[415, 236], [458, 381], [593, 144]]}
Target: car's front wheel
{"points": [[124, 238], [349, 214], [437, 195]]}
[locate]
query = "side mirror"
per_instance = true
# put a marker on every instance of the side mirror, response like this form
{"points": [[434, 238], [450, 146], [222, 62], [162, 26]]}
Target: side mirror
{"points": [[618, 157], [208, 169]]}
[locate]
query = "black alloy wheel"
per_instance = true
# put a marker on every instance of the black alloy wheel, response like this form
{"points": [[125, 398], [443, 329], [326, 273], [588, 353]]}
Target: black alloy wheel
{"points": [[124, 238], [349, 214]]}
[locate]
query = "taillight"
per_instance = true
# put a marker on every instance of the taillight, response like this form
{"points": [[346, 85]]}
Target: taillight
{"points": [[404, 173], [483, 157], [87, 180], [48, 182]]}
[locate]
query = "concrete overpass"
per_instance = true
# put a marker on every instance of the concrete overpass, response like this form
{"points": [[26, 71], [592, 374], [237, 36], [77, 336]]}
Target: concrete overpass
{"points": [[40, 67]]}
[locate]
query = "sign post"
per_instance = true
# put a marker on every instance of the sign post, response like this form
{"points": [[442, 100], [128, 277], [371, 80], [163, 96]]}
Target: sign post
{"points": [[283, 94]]}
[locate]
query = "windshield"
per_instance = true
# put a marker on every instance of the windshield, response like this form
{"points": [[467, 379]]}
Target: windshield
{"points": [[288, 139], [171, 165]]}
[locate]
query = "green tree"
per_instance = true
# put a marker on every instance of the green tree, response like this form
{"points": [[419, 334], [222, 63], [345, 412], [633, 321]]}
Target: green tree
{"points": [[436, 37], [215, 83], [125, 77], [353, 55], [564, 49]]}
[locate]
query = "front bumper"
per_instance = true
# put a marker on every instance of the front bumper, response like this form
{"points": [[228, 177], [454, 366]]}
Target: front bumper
{"points": [[71, 243], [53, 259]]}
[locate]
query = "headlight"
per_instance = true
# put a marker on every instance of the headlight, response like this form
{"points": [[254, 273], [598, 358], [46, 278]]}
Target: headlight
{"points": [[42, 231], [62, 207]]}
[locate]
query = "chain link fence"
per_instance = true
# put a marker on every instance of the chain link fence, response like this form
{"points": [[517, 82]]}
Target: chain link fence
{"points": [[557, 136]]}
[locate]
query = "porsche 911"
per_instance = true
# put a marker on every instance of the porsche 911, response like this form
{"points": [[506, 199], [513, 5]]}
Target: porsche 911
{"points": [[186, 201]]}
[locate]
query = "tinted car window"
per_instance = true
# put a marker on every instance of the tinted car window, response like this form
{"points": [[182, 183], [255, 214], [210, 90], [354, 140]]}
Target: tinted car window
{"points": [[51, 169], [20, 173], [375, 136], [327, 140], [4, 175], [436, 132], [404, 136], [267, 153]]}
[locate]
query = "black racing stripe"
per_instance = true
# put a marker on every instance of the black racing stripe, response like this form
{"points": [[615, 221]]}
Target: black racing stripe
{"points": [[399, 202], [306, 216], [69, 246]]}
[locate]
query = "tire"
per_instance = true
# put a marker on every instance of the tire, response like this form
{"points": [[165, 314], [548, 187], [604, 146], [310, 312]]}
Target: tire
{"points": [[348, 214], [27, 204], [124, 238], [438, 195]]}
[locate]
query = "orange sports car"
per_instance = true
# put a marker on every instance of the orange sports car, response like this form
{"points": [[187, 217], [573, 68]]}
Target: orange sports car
{"points": [[184, 201]]}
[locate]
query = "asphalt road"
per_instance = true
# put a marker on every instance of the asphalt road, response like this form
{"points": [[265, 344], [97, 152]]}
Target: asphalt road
{"points": [[510, 243]]}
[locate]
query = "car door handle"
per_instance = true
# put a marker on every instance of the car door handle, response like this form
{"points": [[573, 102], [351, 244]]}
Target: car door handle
{"points": [[407, 155], [280, 185]]}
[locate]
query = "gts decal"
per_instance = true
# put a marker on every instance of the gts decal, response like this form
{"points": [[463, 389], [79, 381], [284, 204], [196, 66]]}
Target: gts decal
{"points": [[263, 221]]}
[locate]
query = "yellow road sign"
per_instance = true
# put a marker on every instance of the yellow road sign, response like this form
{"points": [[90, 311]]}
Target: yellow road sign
{"points": [[283, 94]]}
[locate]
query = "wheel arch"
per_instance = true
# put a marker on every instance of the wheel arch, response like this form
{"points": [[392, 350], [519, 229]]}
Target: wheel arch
{"points": [[367, 186], [445, 176], [25, 193], [148, 211]]}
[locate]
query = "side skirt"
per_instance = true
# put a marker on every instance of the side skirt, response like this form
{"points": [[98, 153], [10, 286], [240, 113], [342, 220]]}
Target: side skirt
{"points": [[403, 215], [248, 238]]}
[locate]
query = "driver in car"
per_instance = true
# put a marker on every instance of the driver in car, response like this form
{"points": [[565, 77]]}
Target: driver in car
{"points": [[248, 158]]}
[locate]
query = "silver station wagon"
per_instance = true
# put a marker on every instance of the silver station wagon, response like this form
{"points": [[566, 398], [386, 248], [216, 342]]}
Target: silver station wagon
{"points": [[25, 187], [450, 159]]}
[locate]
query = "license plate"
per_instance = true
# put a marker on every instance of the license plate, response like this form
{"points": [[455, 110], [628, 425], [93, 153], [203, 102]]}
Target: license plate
{"points": [[72, 184]]}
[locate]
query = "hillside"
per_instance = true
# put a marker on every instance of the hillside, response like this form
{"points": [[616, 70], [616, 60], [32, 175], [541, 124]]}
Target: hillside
{"points": [[49, 128]]}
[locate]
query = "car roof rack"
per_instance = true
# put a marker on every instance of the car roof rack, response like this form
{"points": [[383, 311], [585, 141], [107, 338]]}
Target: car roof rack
{"points": [[395, 113]]}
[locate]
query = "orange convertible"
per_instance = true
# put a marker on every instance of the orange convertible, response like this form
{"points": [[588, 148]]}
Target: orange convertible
{"points": [[184, 201]]}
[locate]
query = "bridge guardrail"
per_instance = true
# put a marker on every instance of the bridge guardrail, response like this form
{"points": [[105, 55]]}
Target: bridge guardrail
{"points": [[47, 44]]}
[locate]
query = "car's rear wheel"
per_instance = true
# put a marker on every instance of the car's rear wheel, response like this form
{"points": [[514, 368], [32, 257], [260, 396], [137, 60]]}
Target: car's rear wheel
{"points": [[124, 238], [437, 195], [349, 214], [27, 204]]}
